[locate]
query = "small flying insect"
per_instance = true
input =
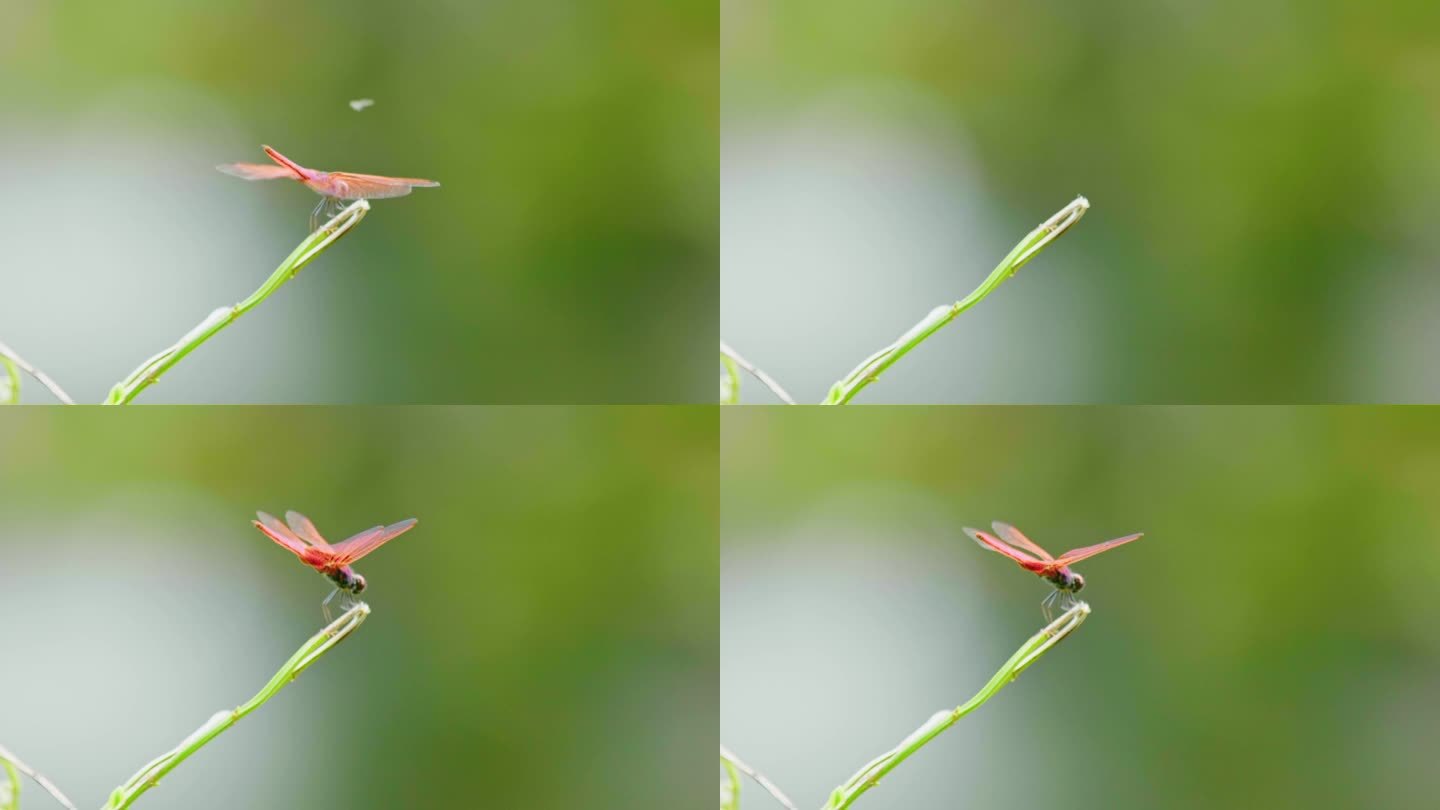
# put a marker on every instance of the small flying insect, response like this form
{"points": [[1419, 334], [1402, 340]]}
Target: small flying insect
{"points": [[333, 187], [301, 539], [1056, 570]]}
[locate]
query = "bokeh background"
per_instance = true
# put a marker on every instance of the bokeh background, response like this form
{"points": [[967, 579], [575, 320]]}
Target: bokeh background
{"points": [[569, 255], [1271, 641], [1263, 177], [545, 638]]}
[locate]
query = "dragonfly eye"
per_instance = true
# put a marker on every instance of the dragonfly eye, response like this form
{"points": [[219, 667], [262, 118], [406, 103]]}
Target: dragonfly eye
{"points": [[358, 584], [1077, 582]]}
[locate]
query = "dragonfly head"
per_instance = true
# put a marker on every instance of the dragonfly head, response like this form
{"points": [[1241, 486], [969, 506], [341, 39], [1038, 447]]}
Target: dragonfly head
{"points": [[1071, 581], [357, 583]]}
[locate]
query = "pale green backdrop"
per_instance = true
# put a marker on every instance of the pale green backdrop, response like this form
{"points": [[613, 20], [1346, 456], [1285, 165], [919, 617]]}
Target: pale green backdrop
{"points": [[544, 638], [569, 255], [1264, 177], [1270, 642]]}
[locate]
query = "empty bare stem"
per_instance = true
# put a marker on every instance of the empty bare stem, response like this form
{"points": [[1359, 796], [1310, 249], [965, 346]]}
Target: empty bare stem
{"points": [[765, 379], [40, 376]]}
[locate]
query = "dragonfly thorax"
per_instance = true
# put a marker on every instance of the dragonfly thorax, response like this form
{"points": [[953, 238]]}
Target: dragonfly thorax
{"points": [[1067, 580], [347, 580]]}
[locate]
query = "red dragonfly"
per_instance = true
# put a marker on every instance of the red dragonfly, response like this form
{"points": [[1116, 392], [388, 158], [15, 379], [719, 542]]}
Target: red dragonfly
{"points": [[331, 186], [301, 538], [1056, 570]]}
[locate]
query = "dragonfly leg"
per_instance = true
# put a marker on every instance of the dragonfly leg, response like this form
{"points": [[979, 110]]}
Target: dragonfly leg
{"points": [[325, 606], [315, 215], [1047, 607]]}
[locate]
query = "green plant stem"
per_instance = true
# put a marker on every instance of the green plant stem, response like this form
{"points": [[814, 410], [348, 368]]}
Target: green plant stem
{"points": [[10, 792], [11, 360], [733, 762], [729, 790], [1037, 240], [732, 358], [730, 380], [319, 644], [1039, 644], [9, 390], [316, 243], [12, 764]]}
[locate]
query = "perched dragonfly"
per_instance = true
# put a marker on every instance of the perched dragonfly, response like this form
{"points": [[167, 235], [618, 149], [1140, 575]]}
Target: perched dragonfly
{"points": [[1056, 570], [333, 187], [301, 538]]}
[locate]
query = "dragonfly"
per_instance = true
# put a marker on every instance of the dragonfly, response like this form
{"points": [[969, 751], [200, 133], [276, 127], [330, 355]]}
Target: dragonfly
{"points": [[1056, 570], [333, 187], [301, 538]]}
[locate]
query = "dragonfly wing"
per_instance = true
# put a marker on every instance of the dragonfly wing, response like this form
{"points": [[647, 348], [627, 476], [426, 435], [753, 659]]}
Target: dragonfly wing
{"points": [[299, 171], [990, 541], [354, 548], [1075, 555], [1012, 535], [305, 530], [256, 171], [280, 533], [374, 186]]}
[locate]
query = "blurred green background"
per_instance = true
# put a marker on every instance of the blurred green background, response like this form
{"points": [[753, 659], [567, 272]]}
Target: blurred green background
{"points": [[1262, 176], [569, 255], [1270, 642], [545, 638]]}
